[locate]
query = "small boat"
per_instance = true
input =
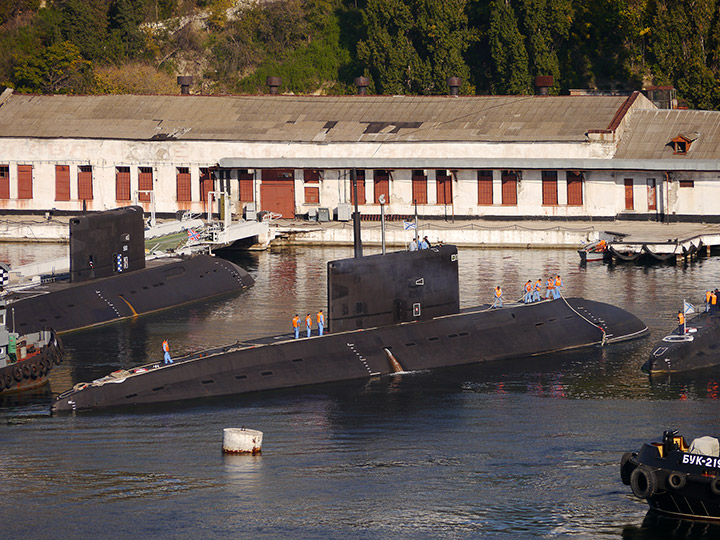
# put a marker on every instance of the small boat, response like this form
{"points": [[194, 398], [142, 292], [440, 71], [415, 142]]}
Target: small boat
{"points": [[676, 478], [593, 252], [35, 355]]}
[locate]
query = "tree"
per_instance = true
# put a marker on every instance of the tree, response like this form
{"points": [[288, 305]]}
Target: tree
{"points": [[510, 74], [57, 69]]}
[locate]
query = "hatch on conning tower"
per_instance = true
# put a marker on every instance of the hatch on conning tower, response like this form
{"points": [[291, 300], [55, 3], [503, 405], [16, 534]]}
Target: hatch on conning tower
{"points": [[403, 286]]}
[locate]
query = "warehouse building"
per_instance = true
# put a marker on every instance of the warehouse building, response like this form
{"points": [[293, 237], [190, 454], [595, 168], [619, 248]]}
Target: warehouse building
{"points": [[503, 157]]}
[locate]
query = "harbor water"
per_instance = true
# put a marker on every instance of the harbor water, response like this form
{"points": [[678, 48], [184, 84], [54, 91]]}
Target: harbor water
{"points": [[528, 448]]}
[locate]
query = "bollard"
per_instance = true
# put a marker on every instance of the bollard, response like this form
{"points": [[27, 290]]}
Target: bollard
{"points": [[242, 441]]}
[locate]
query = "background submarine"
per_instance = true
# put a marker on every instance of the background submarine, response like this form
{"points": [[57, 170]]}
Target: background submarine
{"points": [[109, 279], [386, 313], [696, 349]]}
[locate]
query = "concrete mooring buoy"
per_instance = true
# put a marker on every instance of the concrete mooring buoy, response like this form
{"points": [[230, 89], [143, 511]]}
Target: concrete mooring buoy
{"points": [[242, 441]]}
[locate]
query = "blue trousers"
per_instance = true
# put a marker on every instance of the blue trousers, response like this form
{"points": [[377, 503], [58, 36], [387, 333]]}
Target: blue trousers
{"points": [[168, 360], [297, 332], [536, 296], [528, 297], [309, 329], [320, 329]]}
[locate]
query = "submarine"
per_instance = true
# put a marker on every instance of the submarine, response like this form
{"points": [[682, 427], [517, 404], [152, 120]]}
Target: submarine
{"points": [[110, 279], [387, 313], [696, 348]]}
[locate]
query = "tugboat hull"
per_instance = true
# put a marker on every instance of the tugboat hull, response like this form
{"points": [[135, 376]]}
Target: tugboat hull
{"points": [[43, 352], [674, 478]]}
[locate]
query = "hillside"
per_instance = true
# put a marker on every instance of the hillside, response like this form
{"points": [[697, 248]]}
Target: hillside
{"points": [[320, 46]]}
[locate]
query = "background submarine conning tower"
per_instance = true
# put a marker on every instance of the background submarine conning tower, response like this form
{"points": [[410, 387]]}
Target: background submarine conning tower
{"points": [[107, 243]]}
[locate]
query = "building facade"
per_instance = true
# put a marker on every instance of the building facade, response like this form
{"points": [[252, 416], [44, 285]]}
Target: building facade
{"points": [[502, 157]]}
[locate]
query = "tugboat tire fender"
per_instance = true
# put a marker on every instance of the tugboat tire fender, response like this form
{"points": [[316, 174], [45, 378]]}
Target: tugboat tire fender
{"points": [[57, 356], [9, 381], [26, 370], [17, 373], [643, 482], [715, 485], [676, 480], [34, 370], [626, 468]]}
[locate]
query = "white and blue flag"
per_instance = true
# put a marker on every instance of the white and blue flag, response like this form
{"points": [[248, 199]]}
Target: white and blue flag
{"points": [[688, 308], [409, 225]]}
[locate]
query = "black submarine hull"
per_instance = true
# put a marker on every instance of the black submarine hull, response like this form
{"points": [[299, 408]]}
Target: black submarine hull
{"points": [[161, 285], [698, 348], [475, 335]]}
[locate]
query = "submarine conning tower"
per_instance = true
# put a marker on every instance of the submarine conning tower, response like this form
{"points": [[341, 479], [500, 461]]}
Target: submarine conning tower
{"points": [[403, 286], [107, 243]]}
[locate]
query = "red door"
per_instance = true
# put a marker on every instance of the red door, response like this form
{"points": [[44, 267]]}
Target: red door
{"points": [[509, 189], [277, 192], [25, 187], [629, 201], [62, 183]]}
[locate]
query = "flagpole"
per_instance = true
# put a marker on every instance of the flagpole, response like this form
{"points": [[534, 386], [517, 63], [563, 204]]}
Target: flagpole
{"points": [[416, 225]]}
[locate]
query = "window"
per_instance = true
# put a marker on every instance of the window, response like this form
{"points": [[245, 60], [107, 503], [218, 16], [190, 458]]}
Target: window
{"points": [[419, 187], [381, 180], [206, 183], [651, 194], [574, 188], [443, 181], [182, 185], [485, 187], [311, 176], [629, 199], [687, 183], [360, 175], [62, 182], [25, 185], [245, 186], [509, 188], [681, 144], [145, 183], [549, 188], [312, 195], [4, 181], [122, 183], [85, 187]]}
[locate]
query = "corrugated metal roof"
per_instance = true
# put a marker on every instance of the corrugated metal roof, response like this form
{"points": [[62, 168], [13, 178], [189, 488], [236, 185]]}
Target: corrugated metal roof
{"points": [[649, 133], [309, 118]]}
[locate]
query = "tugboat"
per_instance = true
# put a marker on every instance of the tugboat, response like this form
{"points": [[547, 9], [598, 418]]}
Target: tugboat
{"points": [[676, 478], [26, 360], [594, 252]]}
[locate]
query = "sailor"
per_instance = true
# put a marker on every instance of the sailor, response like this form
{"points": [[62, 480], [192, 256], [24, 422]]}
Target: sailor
{"points": [[708, 296], [321, 322], [537, 289], [550, 284], [413, 245], [528, 292], [166, 350], [498, 297], [681, 323], [308, 324], [424, 243], [296, 325], [558, 284], [713, 301]]}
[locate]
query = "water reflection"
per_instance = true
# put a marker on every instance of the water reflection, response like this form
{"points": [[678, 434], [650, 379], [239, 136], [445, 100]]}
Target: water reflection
{"points": [[657, 526]]}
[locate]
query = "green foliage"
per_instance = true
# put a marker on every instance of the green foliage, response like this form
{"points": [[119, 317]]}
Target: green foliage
{"points": [[512, 70], [404, 46], [57, 69]]}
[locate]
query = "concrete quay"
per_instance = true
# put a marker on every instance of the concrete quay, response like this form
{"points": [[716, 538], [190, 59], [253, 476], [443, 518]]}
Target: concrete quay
{"points": [[492, 234], [465, 233]]}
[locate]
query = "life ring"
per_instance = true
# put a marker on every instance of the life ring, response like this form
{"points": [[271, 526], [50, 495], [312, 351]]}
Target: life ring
{"points": [[26, 370], [715, 485], [676, 480], [626, 468], [643, 482], [34, 370]]}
